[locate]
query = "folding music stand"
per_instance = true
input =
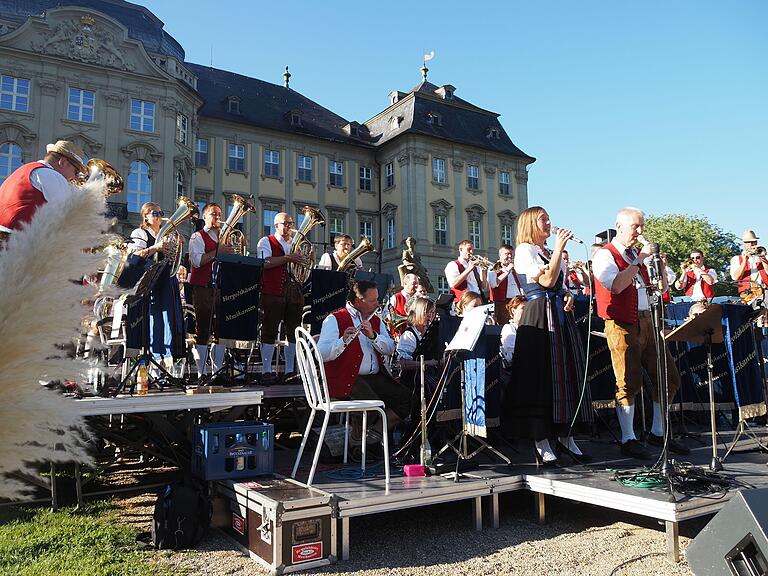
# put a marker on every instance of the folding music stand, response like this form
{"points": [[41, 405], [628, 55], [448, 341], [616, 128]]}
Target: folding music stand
{"points": [[705, 328], [143, 293]]}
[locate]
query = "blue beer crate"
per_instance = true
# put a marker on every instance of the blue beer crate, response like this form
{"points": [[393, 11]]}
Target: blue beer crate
{"points": [[233, 450]]}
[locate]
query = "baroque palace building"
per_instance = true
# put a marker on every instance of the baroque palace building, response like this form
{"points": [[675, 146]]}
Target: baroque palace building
{"points": [[105, 74]]}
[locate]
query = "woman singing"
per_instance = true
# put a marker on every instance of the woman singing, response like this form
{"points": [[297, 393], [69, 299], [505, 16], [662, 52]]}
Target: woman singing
{"points": [[544, 397], [165, 316]]}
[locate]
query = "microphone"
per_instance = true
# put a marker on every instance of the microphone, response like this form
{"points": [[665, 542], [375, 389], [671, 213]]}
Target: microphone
{"points": [[555, 230], [658, 265]]}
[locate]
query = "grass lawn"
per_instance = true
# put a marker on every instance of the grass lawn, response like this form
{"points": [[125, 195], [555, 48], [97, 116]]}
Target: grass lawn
{"points": [[91, 541]]}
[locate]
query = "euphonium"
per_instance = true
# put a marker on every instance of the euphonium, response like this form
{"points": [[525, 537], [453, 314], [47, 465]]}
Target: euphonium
{"points": [[231, 235], [347, 263], [302, 246], [98, 168], [186, 209]]}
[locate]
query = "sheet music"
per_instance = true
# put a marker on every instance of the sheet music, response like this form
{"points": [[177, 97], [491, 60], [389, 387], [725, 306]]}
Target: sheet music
{"points": [[469, 330]]}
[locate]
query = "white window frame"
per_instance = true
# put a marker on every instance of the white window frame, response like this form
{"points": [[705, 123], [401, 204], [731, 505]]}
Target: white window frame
{"points": [[236, 156], [182, 128], [441, 228], [199, 152], [438, 170], [304, 168], [138, 185], [268, 222], [366, 229], [473, 177], [179, 183], [504, 187], [389, 174], [391, 230], [78, 108], [336, 173], [337, 225], [10, 159], [366, 178], [507, 234], [475, 233], [143, 119], [14, 93], [442, 285], [272, 163]]}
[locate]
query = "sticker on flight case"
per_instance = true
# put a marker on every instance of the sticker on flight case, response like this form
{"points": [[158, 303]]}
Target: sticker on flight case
{"points": [[238, 524], [307, 552]]}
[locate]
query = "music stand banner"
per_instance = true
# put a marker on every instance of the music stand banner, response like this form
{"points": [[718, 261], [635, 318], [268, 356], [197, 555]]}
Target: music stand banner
{"points": [[239, 282], [329, 293]]}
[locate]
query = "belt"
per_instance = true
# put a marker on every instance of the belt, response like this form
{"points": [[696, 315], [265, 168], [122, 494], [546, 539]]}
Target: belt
{"points": [[538, 295], [643, 313]]}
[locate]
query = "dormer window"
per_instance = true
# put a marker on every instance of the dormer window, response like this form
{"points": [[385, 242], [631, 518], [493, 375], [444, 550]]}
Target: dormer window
{"points": [[435, 119], [493, 133], [446, 92], [294, 117], [233, 105], [394, 122]]}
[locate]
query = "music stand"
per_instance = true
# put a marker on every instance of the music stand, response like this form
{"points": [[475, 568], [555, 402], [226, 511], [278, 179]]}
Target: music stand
{"points": [[143, 293], [705, 328]]}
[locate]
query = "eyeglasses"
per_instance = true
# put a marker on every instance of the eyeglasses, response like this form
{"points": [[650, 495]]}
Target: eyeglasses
{"points": [[157, 213], [286, 223], [696, 257]]}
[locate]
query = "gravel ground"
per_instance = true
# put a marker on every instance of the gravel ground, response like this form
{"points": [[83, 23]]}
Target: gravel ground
{"points": [[578, 539]]}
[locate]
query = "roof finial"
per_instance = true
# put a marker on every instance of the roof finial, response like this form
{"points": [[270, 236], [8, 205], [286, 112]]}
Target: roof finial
{"points": [[424, 69], [286, 77]]}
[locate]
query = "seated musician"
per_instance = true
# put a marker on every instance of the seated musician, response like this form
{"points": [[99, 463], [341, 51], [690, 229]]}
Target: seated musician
{"points": [[342, 246], [203, 248], [504, 283], [282, 299], [515, 309], [400, 303], [420, 316], [353, 341], [421, 291], [467, 301], [696, 280]]}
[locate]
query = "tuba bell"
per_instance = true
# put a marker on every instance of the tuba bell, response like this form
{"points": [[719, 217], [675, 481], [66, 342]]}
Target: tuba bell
{"points": [[173, 251], [98, 168], [347, 263], [301, 245], [231, 235]]}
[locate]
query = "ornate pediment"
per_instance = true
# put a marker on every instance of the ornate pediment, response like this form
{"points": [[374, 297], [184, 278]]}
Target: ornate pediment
{"points": [[507, 217], [475, 211], [441, 207]]}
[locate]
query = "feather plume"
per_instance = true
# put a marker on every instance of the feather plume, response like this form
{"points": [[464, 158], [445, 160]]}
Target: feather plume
{"points": [[40, 308]]}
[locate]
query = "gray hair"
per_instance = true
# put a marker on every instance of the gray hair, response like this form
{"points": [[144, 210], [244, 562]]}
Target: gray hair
{"points": [[629, 212]]}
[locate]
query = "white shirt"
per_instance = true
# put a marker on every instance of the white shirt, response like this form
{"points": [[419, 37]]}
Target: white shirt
{"points": [[452, 272], [264, 248], [605, 270], [139, 240], [325, 262], [197, 245], [529, 263], [512, 289], [331, 344], [508, 337], [406, 346], [53, 185], [698, 293], [754, 270]]}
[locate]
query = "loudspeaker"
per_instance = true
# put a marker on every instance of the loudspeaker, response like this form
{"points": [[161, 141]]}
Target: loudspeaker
{"points": [[734, 543]]}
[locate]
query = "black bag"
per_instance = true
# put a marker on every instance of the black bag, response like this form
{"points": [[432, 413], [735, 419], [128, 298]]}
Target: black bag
{"points": [[182, 515]]}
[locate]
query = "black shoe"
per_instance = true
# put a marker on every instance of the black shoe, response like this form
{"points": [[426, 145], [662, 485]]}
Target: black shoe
{"points": [[633, 449], [577, 458], [674, 445]]}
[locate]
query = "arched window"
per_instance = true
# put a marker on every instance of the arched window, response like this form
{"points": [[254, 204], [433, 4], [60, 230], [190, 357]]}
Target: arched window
{"points": [[139, 186], [10, 159]]}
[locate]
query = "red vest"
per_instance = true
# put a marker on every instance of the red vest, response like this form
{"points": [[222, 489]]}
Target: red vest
{"points": [[621, 306], [342, 372], [19, 199], [499, 294], [202, 276], [400, 304], [461, 287], [274, 278], [690, 281], [744, 278]]}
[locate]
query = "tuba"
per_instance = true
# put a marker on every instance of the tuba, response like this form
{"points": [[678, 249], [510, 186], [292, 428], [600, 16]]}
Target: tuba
{"points": [[116, 257], [231, 235], [186, 209], [347, 263], [98, 168], [302, 246]]}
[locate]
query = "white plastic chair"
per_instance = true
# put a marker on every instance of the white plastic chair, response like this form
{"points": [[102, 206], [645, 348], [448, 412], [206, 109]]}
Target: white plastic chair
{"points": [[312, 372]]}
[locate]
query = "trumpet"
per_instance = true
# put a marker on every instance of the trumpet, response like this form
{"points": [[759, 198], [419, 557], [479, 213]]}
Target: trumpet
{"points": [[576, 265], [687, 266], [481, 261], [758, 251]]}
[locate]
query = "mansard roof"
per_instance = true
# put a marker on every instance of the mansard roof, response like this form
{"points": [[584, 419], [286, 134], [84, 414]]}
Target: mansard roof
{"points": [[268, 105], [142, 24]]}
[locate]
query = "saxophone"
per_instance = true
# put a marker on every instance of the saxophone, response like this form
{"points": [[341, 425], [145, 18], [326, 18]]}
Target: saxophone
{"points": [[231, 235], [347, 263], [186, 209], [301, 245]]}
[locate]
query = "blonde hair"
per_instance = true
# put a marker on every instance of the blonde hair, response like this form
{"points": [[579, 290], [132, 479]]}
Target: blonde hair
{"points": [[527, 225], [465, 299], [146, 208], [418, 311]]}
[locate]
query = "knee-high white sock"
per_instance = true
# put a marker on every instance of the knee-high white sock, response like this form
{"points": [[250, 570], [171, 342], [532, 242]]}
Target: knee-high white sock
{"points": [[290, 357], [200, 354], [626, 416], [657, 428], [218, 356], [267, 352]]}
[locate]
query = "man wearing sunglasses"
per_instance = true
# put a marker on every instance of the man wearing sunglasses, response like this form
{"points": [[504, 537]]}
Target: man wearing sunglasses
{"points": [[33, 184], [281, 296], [696, 280], [750, 266]]}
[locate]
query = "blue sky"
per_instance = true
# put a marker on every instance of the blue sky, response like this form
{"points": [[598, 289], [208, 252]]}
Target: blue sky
{"points": [[656, 104]]}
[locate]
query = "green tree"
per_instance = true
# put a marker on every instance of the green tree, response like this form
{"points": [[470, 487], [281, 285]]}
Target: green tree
{"points": [[678, 234]]}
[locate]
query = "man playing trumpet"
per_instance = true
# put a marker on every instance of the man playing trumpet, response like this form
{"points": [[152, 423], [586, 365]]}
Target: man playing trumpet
{"points": [[751, 265], [696, 280], [462, 274], [504, 283]]}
